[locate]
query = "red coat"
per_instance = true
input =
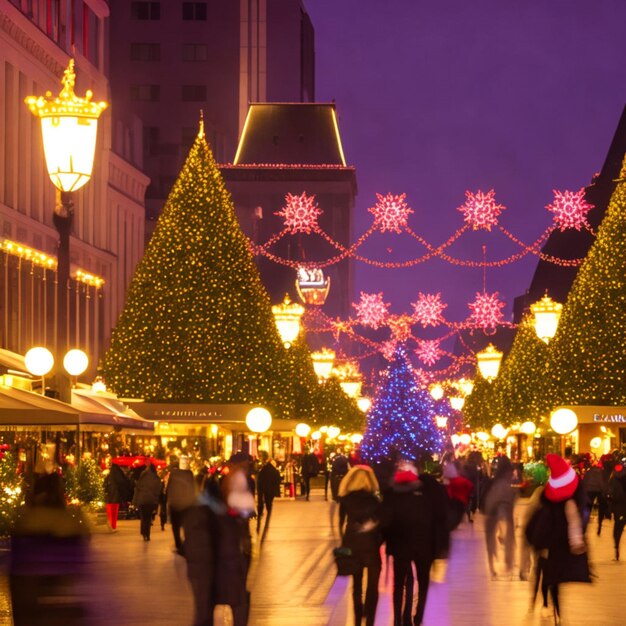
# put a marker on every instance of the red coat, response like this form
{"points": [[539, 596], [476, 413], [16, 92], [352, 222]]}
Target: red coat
{"points": [[460, 488]]}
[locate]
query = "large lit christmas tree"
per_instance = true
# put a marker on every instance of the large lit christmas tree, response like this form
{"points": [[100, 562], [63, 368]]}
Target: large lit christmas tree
{"points": [[332, 407], [197, 325], [587, 360], [402, 417]]}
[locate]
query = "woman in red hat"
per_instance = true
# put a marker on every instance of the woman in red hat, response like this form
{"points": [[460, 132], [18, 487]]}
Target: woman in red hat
{"points": [[556, 530]]}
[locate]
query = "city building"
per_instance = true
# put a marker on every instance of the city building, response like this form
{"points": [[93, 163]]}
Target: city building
{"points": [[37, 39]]}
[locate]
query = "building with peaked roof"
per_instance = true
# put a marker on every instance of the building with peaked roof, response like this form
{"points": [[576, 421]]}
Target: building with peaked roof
{"points": [[294, 148], [556, 279]]}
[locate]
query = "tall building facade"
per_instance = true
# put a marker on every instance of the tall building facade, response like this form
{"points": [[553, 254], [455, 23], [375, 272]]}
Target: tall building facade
{"points": [[173, 59], [37, 39]]}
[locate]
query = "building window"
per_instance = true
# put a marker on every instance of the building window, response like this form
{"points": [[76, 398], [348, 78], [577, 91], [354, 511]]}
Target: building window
{"points": [[193, 93], [195, 52], [189, 135], [145, 10], [145, 52], [151, 140], [194, 11], [146, 93]]}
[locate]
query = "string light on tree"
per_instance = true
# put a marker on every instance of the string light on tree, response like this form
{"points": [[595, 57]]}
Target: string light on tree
{"points": [[570, 209], [300, 213], [391, 212], [428, 310], [371, 310]]}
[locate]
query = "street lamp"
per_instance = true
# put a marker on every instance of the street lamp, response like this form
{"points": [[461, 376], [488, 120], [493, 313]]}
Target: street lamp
{"points": [[39, 361], [323, 363], [547, 313], [457, 402], [303, 430], [287, 316], [69, 126], [489, 361]]}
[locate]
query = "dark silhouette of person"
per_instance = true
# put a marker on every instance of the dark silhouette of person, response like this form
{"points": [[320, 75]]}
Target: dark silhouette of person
{"points": [[268, 487]]}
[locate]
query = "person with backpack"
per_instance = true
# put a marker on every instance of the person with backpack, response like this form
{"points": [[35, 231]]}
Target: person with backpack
{"points": [[310, 469]]}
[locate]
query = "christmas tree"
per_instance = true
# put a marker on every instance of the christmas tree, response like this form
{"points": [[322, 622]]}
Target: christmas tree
{"points": [[11, 492], [332, 407], [481, 408], [197, 325], [402, 417], [587, 361], [302, 378]]}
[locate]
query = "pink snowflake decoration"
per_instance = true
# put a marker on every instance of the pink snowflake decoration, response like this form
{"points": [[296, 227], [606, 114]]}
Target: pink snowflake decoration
{"points": [[391, 212], [371, 310], [486, 310], [423, 377], [388, 349], [570, 209], [428, 309], [400, 326], [481, 210], [428, 351], [300, 213]]}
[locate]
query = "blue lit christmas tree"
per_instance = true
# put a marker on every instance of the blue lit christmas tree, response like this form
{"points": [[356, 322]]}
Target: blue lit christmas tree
{"points": [[402, 417]]}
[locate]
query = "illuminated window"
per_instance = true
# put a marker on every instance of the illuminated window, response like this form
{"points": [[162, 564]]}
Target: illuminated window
{"points": [[193, 93], [145, 52], [195, 52], [145, 93], [145, 10], [194, 11]]}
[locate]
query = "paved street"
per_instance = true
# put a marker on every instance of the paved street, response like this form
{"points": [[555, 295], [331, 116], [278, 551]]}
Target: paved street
{"points": [[293, 581]]}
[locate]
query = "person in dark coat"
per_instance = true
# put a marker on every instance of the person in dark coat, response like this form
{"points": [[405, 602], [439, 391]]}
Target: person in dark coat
{"points": [[180, 495], [617, 498], [415, 528], [310, 469], [117, 490], [146, 498], [338, 469], [268, 488], [359, 512], [596, 488], [218, 547], [556, 530]]}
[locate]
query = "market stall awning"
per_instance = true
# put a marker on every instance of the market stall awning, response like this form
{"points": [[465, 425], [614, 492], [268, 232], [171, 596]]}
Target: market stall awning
{"points": [[107, 409]]}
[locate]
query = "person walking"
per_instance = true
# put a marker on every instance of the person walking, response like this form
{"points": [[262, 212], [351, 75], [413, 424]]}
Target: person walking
{"points": [[268, 488], [180, 495], [596, 488], [415, 529], [617, 498], [146, 498], [338, 469], [498, 508], [556, 530], [310, 469], [359, 512], [117, 491]]}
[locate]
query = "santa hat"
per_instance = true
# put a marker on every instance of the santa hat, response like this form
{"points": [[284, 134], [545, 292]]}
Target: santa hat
{"points": [[563, 479], [405, 473]]}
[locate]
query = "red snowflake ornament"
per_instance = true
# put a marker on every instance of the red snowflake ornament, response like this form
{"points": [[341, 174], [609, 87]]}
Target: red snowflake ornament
{"points": [[486, 310], [388, 349], [391, 212], [400, 326], [428, 309], [570, 209], [300, 213], [481, 209], [371, 310], [428, 351]]}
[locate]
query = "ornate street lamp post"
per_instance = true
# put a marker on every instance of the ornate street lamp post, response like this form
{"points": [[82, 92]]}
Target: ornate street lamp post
{"points": [[489, 361], [323, 363], [69, 125], [287, 316], [547, 313]]}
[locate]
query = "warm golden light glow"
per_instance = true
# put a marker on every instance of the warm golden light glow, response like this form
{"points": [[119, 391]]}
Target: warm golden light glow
{"points": [[489, 361], [465, 439], [528, 428], [547, 314], [457, 402], [436, 391], [316, 435], [563, 421], [75, 362], [364, 404], [499, 431], [482, 436], [333, 431], [323, 363], [69, 125], [356, 438], [39, 361], [287, 316], [312, 286], [441, 421], [466, 386], [303, 430], [595, 442], [350, 378], [258, 419]]}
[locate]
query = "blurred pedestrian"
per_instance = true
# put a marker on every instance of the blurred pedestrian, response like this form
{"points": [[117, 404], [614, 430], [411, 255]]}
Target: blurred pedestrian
{"points": [[617, 498], [499, 503], [49, 556], [146, 498], [459, 490], [117, 490], [556, 530], [338, 469], [474, 471], [268, 488], [181, 494], [415, 528], [596, 489], [359, 512], [310, 469]]}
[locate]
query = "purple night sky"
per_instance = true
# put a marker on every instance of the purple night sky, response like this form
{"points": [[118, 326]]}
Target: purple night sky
{"points": [[438, 97]]}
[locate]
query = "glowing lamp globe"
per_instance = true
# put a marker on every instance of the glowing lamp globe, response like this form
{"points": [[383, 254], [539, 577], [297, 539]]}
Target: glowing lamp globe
{"points": [[333, 431], [98, 386], [303, 430], [563, 421], [356, 438], [352, 388], [364, 404], [466, 386], [455, 439], [436, 391], [316, 435], [287, 316], [441, 421], [489, 361], [258, 419], [457, 402], [75, 362], [465, 439], [323, 361], [499, 431], [69, 126], [38, 361], [547, 314], [596, 442], [482, 436], [528, 428]]}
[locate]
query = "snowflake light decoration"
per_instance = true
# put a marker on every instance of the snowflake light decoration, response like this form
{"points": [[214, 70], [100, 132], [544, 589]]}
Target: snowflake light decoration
{"points": [[300, 213], [391, 212], [486, 310], [570, 209], [388, 349], [371, 310], [423, 377], [428, 351], [428, 309], [481, 209], [400, 326]]}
